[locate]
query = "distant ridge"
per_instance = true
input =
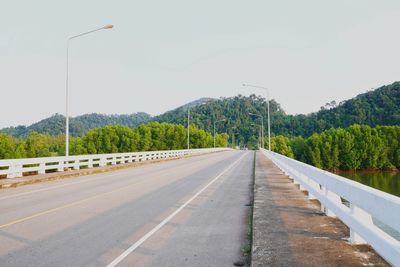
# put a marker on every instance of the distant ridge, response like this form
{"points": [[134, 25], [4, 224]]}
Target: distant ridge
{"points": [[377, 107], [80, 125]]}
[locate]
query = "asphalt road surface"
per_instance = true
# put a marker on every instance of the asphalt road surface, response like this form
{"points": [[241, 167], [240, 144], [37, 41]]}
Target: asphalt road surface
{"points": [[186, 212]]}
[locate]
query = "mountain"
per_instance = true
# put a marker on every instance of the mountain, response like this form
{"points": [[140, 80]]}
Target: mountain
{"points": [[80, 125], [198, 102], [377, 107], [235, 111]]}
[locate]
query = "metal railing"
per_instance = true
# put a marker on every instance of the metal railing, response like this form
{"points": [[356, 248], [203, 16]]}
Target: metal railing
{"points": [[364, 204], [13, 168]]}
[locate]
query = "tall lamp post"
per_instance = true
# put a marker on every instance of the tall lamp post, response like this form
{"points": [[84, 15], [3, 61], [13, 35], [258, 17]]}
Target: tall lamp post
{"points": [[262, 127], [109, 26], [259, 134], [214, 127], [269, 124]]}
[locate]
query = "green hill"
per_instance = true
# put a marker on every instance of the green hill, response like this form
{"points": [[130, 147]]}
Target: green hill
{"points": [[377, 107], [79, 126]]}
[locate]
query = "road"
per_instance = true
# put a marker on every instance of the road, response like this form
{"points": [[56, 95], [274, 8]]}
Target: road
{"points": [[186, 212]]}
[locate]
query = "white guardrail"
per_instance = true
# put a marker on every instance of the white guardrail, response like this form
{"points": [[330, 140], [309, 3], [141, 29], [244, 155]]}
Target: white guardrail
{"points": [[365, 203], [13, 168]]}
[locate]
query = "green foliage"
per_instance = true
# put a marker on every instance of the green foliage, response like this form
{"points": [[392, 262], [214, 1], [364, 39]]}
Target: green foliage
{"points": [[37, 145], [79, 126], [236, 112], [111, 139], [313, 152], [10, 147], [221, 140], [353, 148], [280, 144], [298, 146], [378, 107]]}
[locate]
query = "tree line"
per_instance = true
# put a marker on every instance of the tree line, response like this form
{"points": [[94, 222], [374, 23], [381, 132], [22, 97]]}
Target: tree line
{"points": [[78, 126], [352, 148], [110, 139], [377, 107], [373, 108]]}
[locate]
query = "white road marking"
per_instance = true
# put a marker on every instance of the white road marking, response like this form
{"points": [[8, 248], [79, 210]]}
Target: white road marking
{"points": [[166, 220]]}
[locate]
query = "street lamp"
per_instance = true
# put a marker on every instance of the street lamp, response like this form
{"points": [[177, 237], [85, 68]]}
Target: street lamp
{"points": [[259, 134], [262, 127], [109, 26], [214, 127], [269, 128]]}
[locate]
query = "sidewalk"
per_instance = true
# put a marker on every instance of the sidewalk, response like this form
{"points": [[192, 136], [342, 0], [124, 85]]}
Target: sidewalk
{"points": [[290, 230]]}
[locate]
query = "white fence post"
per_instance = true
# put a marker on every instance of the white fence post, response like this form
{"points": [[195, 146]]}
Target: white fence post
{"points": [[363, 216], [90, 163], [60, 167], [42, 168], [76, 164], [15, 171]]}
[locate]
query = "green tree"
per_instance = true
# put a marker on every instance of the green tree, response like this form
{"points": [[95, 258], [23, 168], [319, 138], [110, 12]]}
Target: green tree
{"points": [[37, 145], [313, 153], [280, 144], [7, 146]]}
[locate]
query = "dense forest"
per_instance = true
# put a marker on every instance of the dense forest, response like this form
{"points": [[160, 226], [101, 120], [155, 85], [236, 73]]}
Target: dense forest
{"points": [[377, 107], [110, 139], [352, 148], [79, 126]]}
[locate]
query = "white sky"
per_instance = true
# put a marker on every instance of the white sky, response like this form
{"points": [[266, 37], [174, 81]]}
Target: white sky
{"points": [[162, 54]]}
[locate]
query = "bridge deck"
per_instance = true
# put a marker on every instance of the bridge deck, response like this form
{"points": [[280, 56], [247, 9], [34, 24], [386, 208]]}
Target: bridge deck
{"points": [[290, 230]]}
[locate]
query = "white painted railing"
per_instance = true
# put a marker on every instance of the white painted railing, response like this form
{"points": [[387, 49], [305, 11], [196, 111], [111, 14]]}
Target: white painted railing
{"points": [[13, 168], [365, 203]]}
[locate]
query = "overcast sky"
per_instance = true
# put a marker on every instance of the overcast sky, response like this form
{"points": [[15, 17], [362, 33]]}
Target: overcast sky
{"points": [[162, 54]]}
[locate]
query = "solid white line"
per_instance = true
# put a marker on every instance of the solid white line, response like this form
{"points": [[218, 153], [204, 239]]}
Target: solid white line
{"points": [[166, 220]]}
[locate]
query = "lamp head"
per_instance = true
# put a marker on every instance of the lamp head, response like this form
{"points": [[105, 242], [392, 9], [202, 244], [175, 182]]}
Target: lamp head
{"points": [[108, 26]]}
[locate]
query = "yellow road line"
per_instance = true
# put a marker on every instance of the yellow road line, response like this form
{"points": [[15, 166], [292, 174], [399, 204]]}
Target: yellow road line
{"points": [[67, 205]]}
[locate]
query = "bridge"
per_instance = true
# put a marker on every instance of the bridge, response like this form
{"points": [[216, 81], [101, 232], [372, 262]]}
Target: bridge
{"points": [[197, 207]]}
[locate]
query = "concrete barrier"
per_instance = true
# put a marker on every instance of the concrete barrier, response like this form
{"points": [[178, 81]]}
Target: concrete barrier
{"points": [[14, 168]]}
